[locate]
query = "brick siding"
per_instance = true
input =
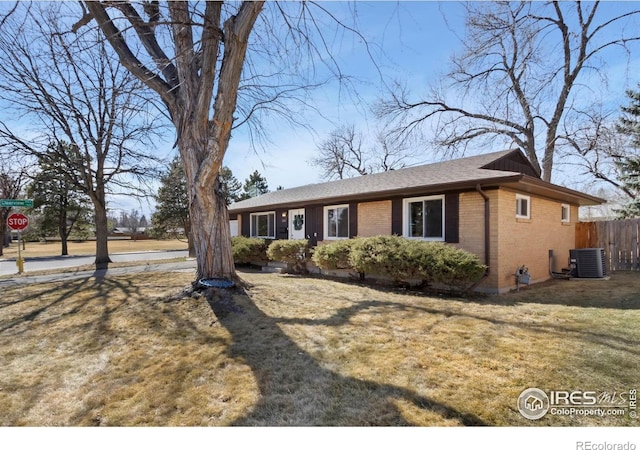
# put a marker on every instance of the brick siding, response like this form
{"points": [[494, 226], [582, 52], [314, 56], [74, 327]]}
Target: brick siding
{"points": [[374, 218]]}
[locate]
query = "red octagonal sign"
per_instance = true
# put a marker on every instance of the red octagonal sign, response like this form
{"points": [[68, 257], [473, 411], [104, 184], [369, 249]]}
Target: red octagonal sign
{"points": [[17, 221]]}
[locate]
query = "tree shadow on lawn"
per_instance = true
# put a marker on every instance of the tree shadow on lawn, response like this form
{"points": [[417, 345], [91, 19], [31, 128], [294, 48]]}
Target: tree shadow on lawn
{"points": [[41, 318], [621, 290], [65, 291], [82, 318], [295, 390], [290, 379]]}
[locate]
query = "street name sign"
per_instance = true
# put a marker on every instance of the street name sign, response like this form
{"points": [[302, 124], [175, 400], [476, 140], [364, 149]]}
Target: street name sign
{"points": [[18, 203], [17, 221]]}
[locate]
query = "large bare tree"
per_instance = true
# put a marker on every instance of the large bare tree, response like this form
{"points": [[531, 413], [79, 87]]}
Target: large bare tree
{"points": [[341, 154], [66, 87], [200, 58], [346, 153], [521, 74]]}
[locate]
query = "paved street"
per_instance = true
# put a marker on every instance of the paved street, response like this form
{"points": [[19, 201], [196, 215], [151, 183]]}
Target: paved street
{"points": [[164, 267], [8, 267]]}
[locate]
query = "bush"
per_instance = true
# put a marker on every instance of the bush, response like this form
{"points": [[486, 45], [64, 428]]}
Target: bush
{"points": [[334, 255], [402, 260], [455, 267], [248, 250], [293, 252], [386, 256]]}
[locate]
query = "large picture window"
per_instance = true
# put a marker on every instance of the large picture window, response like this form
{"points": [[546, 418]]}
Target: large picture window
{"points": [[424, 218], [263, 225], [336, 222]]}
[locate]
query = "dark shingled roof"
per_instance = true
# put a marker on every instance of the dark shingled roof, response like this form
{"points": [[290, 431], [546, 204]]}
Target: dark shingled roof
{"points": [[498, 167]]}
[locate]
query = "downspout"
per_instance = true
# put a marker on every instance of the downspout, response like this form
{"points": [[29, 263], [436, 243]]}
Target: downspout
{"points": [[487, 234]]}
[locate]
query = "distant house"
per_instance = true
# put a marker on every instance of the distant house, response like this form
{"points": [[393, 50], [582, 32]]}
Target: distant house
{"points": [[494, 205], [126, 231]]}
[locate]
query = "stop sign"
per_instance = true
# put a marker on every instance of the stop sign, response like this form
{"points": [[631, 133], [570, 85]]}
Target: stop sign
{"points": [[17, 221]]}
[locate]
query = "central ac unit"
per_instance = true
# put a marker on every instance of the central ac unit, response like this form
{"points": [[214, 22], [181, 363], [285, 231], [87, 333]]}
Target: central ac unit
{"points": [[588, 262]]}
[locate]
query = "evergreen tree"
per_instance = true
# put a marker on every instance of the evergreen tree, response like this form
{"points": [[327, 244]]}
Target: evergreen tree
{"points": [[172, 207], [630, 177], [253, 186], [62, 208], [629, 124], [230, 185]]}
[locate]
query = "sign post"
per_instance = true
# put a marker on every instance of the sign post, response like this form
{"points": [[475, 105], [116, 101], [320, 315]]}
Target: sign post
{"points": [[18, 222]]}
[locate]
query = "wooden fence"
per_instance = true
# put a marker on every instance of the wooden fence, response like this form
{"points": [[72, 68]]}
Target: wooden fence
{"points": [[619, 238]]}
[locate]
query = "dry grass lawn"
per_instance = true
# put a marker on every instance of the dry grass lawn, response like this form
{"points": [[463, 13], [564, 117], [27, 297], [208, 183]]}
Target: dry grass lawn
{"points": [[307, 351], [35, 249]]}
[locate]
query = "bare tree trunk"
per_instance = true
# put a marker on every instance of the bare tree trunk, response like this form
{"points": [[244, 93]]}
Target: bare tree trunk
{"points": [[190, 245], [65, 248], [62, 230], [3, 227], [102, 235], [209, 223], [212, 245]]}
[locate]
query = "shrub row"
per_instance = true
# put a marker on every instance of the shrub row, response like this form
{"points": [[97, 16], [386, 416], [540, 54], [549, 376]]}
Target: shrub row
{"points": [[387, 256], [253, 250], [402, 260]]}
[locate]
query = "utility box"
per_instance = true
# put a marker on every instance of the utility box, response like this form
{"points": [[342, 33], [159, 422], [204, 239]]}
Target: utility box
{"points": [[588, 262]]}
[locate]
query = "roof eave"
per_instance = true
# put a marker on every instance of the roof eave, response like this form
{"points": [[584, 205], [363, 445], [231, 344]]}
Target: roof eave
{"points": [[544, 188]]}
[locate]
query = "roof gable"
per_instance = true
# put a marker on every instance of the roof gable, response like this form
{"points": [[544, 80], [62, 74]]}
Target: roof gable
{"points": [[513, 161]]}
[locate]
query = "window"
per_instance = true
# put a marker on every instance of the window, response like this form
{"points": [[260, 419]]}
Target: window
{"points": [[424, 218], [263, 225], [336, 222], [566, 213], [523, 206]]}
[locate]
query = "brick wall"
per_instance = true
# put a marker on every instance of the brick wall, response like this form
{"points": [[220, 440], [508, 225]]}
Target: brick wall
{"points": [[528, 241], [513, 241], [374, 218], [472, 232], [472, 224]]}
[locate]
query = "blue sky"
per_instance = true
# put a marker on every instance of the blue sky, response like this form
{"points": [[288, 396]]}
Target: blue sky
{"points": [[410, 41], [413, 42]]}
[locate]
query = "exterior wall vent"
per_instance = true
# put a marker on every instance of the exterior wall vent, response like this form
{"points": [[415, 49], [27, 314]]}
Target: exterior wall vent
{"points": [[588, 262]]}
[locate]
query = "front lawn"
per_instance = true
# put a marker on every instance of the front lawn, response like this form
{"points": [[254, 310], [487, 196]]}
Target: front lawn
{"points": [[307, 351]]}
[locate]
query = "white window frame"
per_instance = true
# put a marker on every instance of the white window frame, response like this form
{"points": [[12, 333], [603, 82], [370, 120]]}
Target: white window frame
{"points": [[528, 213], [265, 213], [406, 211], [565, 207], [326, 223]]}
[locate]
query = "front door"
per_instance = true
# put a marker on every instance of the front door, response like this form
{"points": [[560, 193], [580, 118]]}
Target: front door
{"points": [[296, 224]]}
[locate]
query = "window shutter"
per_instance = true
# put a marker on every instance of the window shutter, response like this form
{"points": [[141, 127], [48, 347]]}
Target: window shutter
{"points": [[396, 216], [353, 220], [246, 224], [452, 218], [282, 219], [319, 221]]}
